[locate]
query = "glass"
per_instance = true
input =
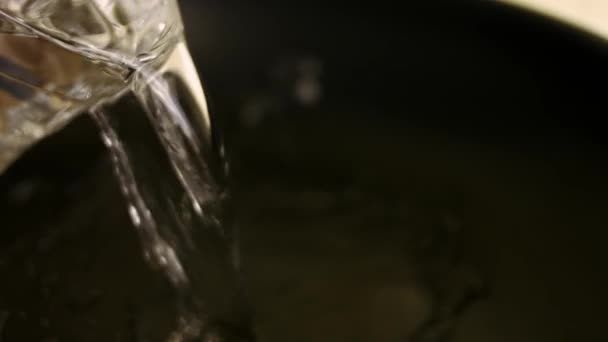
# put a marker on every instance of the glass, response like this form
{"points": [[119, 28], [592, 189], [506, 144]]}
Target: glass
{"points": [[44, 81]]}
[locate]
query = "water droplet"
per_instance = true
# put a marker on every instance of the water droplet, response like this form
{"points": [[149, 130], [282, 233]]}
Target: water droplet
{"points": [[134, 215], [106, 140]]}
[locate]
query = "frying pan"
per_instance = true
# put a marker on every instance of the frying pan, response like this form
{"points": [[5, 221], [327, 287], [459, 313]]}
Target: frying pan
{"points": [[357, 135]]}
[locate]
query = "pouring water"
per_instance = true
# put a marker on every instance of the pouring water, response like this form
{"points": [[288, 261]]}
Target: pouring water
{"points": [[61, 58]]}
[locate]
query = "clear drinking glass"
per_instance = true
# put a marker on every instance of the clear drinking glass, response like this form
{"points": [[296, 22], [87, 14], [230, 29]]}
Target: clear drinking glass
{"points": [[44, 79]]}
